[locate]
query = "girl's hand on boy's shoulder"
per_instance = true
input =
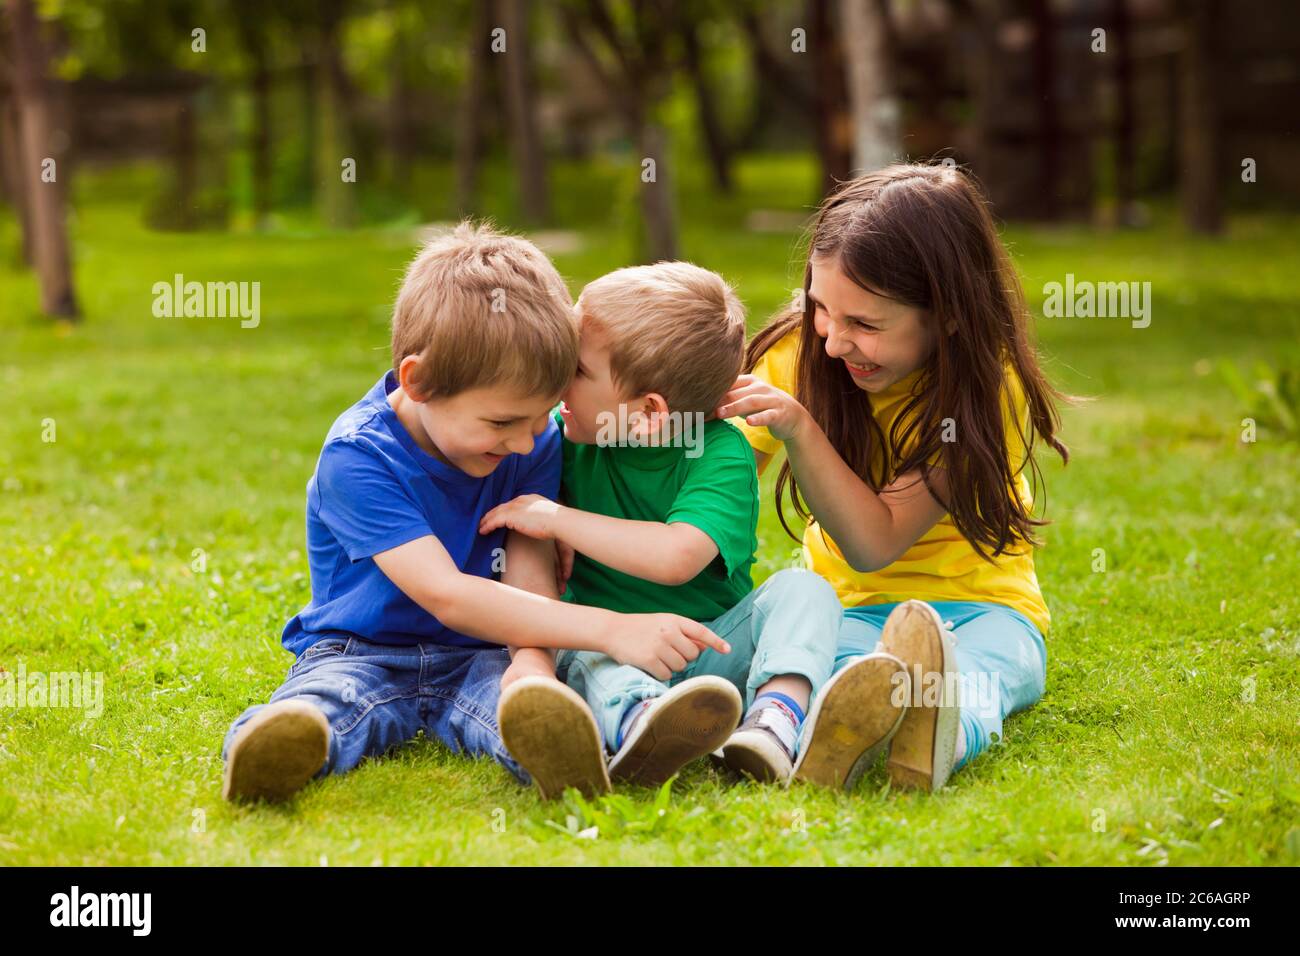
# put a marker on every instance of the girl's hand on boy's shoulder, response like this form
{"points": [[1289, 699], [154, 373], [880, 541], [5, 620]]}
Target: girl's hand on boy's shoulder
{"points": [[532, 515], [765, 406]]}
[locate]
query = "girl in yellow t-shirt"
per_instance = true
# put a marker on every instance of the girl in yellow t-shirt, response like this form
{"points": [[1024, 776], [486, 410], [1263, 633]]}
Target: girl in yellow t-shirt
{"points": [[908, 397]]}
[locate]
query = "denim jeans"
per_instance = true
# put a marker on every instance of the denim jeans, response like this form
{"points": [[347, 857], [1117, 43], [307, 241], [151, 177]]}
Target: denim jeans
{"points": [[788, 625], [1001, 657], [376, 696]]}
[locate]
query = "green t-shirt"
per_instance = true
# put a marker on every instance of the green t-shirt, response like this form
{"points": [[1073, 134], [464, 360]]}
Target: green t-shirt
{"points": [[716, 491]]}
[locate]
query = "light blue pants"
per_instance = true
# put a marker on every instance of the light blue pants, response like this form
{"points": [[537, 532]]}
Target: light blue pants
{"points": [[788, 625], [1000, 654]]}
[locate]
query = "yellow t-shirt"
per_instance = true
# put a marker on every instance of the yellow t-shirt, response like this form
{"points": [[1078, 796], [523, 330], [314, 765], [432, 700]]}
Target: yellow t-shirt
{"points": [[941, 565]]}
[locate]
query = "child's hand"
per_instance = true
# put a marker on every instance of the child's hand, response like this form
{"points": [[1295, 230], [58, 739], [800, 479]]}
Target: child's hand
{"points": [[528, 661], [532, 515], [764, 405], [661, 644], [563, 566]]}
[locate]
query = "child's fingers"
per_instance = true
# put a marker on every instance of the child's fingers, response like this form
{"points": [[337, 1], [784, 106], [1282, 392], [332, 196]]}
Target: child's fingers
{"points": [[700, 634], [686, 647]]}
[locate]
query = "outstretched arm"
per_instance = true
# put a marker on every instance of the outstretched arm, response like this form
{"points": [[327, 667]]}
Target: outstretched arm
{"points": [[659, 644]]}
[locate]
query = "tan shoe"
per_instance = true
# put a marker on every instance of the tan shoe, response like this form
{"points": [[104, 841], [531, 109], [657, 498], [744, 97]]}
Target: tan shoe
{"points": [[550, 730], [855, 715], [276, 752], [924, 750], [692, 719]]}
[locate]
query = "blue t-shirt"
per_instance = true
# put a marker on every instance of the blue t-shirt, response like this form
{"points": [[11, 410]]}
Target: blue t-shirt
{"points": [[374, 489]]}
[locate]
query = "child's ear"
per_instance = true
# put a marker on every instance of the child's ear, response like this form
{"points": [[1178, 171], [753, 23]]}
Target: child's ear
{"points": [[653, 414], [406, 378]]}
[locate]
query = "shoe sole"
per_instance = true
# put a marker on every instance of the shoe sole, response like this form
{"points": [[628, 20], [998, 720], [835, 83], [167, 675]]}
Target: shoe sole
{"points": [[757, 756], [276, 752], [549, 729], [852, 720], [922, 753], [692, 719]]}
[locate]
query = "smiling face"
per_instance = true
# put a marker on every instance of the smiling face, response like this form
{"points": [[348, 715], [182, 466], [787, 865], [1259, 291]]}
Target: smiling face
{"points": [[592, 393], [880, 340], [475, 429]]}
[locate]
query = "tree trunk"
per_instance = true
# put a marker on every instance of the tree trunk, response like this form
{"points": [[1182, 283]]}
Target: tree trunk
{"points": [[834, 124], [1199, 119], [253, 39], [525, 140], [11, 175], [1125, 120], [400, 150], [876, 138], [469, 141], [657, 197], [337, 200], [49, 238], [1049, 127], [186, 156], [715, 137]]}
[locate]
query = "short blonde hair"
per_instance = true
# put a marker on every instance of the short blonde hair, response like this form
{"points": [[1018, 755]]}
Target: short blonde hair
{"points": [[673, 327], [482, 308]]}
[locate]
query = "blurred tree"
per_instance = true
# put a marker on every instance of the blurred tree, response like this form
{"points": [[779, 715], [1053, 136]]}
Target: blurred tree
{"points": [[40, 181], [715, 136], [469, 141], [334, 139], [11, 177], [253, 32], [874, 103], [1200, 117], [824, 97], [525, 139], [630, 55]]}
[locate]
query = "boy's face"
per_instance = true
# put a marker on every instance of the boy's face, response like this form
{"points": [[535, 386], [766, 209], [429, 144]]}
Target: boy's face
{"points": [[592, 391], [475, 430], [879, 340]]}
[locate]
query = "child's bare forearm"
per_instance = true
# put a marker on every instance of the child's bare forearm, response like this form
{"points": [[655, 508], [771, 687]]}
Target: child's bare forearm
{"points": [[663, 553]]}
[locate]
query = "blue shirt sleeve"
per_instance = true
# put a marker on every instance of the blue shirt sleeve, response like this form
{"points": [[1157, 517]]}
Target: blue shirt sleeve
{"points": [[540, 475], [362, 503]]}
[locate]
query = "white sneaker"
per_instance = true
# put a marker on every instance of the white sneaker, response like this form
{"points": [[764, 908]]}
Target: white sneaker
{"points": [[690, 720], [855, 715]]}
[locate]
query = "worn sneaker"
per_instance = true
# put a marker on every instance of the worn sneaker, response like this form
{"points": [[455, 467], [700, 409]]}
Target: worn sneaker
{"points": [[549, 729], [763, 746], [276, 752], [925, 748], [852, 720], [690, 720]]}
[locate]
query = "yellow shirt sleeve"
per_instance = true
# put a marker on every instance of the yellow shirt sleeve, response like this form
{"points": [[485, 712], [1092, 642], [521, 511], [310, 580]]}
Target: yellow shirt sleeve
{"points": [[776, 367]]}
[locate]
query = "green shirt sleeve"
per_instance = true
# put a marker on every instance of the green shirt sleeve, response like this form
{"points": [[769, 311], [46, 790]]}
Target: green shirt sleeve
{"points": [[720, 494]]}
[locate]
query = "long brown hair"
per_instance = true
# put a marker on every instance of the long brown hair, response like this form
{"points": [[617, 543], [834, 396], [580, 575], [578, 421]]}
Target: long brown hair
{"points": [[923, 236]]}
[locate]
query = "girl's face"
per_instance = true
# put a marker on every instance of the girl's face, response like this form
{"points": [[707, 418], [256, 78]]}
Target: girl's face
{"points": [[879, 340]]}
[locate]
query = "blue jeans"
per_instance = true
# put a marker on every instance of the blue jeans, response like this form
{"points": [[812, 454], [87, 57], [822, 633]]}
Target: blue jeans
{"points": [[376, 696], [1000, 654], [788, 625]]}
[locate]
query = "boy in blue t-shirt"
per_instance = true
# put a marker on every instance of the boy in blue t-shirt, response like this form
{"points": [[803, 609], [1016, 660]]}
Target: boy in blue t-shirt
{"points": [[410, 604]]}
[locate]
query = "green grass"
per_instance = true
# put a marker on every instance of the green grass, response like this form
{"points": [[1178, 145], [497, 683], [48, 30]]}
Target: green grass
{"points": [[183, 434]]}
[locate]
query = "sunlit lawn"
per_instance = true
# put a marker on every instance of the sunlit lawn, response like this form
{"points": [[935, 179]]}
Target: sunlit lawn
{"points": [[1168, 733]]}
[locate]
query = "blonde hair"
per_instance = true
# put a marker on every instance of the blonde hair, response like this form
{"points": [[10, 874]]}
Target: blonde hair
{"points": [[674, 328], [482, 308]]}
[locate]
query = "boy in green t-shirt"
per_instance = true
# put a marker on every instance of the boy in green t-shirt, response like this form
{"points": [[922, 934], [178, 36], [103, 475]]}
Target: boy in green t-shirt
{"points": [[660, 509]]}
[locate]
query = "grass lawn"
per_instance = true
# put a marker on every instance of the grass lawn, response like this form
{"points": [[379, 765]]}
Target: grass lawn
{"points": [[1168, 734]]}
